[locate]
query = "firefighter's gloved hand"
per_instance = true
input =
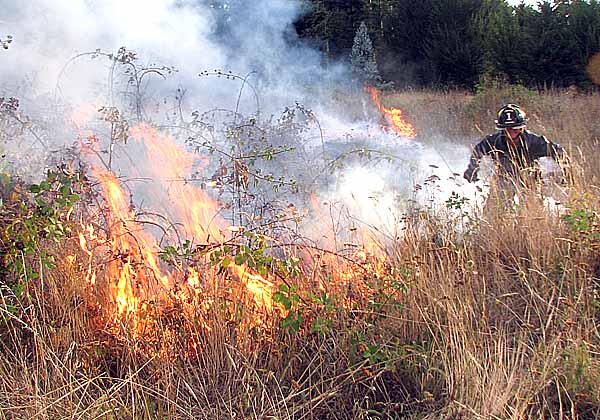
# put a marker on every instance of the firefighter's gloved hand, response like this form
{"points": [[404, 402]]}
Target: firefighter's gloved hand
{"points": [[471, 175]]}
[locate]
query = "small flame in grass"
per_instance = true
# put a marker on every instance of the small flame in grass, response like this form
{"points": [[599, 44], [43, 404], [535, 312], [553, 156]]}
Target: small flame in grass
{"points": [[131, 247], [261, 288], [349, 265], [193, 279], [83, 244], [393, 115]]}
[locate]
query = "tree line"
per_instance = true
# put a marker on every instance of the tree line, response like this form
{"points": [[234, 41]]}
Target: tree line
{"points": [[459, 42]]}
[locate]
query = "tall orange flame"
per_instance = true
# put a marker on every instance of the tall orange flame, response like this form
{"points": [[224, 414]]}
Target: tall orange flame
{"points": [[135, 267], [136, 274], [393, 115]]}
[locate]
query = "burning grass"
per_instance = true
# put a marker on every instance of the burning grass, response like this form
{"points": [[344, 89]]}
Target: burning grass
{"points": [[109, 312]]}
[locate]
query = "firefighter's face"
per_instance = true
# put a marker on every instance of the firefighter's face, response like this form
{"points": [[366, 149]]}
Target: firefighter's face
{"points": [[513, 133]]}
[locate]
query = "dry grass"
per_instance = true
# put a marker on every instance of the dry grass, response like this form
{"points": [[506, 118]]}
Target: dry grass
{"points": [[497, 323]]}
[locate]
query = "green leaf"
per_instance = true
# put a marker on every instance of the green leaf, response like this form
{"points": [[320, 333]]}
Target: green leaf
{"points": [[240, 259], [18, 289], [283, 300], [226, 262]]}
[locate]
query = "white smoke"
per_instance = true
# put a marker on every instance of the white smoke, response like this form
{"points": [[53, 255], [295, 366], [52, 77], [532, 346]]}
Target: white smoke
{"points": [[48, 33], [260, 39], [48, 67]]}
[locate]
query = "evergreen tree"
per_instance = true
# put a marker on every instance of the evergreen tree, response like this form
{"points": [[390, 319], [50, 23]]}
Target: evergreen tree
{"points": [[327, 23], [407, 25], [553, 61], [362, 58], [455, 42], [505, 44], [452, 45], [584, 35]]}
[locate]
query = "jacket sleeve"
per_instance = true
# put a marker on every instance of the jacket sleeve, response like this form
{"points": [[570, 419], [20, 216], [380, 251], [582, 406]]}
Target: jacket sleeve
{"points": [[547, 148], [480, 150], [542, 147]]}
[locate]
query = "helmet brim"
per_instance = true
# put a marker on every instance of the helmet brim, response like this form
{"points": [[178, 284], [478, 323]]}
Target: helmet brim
{"points": [[503, 126], [516, 127]]}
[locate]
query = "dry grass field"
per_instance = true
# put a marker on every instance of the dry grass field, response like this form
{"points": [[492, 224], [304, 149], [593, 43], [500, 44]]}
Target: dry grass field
{"points": [[499, 320]]}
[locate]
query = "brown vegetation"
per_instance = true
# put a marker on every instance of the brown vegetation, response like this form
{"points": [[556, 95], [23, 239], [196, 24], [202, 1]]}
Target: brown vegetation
{"points": [[499, 321]]}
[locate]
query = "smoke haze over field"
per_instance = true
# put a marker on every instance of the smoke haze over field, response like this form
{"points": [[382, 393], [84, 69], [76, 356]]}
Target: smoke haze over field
{"points": [[39, 66], [47, 34]]}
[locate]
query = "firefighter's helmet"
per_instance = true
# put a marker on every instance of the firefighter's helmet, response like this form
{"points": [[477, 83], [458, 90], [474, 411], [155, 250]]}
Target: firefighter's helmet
{"points": [[511, 115]]}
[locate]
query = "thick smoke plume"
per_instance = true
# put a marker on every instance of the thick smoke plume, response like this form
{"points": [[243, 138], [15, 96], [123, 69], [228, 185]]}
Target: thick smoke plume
{"points": [[61, 66]]}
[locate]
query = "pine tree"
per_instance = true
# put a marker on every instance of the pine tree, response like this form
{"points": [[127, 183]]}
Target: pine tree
{"points": [[451, 46], [362, 58]]}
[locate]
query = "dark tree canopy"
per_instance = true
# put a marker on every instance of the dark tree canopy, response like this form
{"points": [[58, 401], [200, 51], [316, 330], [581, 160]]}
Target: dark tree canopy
{"points": [[456, 42]]}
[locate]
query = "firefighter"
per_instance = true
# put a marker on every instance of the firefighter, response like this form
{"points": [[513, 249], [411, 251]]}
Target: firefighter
{"points": [[515, 151]]}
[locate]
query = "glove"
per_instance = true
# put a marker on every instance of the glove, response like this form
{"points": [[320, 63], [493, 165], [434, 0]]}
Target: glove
{"points": [[471, 175]]}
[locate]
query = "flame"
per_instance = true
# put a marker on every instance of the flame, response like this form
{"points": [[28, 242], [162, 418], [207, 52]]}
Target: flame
{"points": [[193, 279], [193, 205], [131, 246], [351, 259], [173, 168], [136, 284], [136, 275], [393, 116], [83, 244], [261, 288]]}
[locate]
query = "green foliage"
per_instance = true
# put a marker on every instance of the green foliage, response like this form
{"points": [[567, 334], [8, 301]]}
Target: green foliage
{"points": [[325, 310], [432, 42], [578, 368], [403, 45], [31, 220], [181, 252], [366, 348], [491, 93], [579, 374], [452, 46], [456, 202], [289, 298], [503, 42], [584, 223], [331, 24], [249, 252]]}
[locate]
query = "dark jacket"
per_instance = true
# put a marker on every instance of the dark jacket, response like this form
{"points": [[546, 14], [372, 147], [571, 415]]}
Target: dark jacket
{"points": [[514, 159]]}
